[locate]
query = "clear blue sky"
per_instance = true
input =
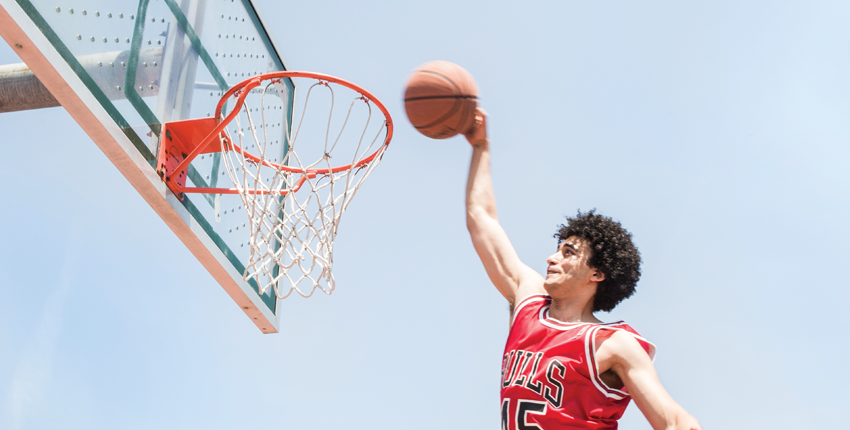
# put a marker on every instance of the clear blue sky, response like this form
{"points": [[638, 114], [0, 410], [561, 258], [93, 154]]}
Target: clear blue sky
{"points": [[717, 132]]}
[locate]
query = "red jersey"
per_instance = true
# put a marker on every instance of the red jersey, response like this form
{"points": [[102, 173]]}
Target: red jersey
{"points": [[549, 376]]}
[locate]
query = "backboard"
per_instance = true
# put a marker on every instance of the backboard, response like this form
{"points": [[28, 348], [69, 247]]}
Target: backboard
{"points": [[122, 68]]}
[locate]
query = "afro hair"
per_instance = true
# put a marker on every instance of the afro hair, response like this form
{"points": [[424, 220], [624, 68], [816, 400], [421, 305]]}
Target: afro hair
{"points": [[612, 252]]}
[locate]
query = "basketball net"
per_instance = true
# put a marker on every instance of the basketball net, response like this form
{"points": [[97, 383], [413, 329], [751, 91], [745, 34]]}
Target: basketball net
{"points": [[295, 204]]}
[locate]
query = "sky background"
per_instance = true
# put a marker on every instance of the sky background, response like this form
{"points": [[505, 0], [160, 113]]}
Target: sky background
{"points": [[716, 132]]}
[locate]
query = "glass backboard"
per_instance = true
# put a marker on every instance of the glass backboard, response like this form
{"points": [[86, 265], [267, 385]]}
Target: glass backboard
{"points": [[122, 68]]}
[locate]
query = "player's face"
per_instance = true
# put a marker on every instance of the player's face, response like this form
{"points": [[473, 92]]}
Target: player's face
{"points": [[568, 268]]}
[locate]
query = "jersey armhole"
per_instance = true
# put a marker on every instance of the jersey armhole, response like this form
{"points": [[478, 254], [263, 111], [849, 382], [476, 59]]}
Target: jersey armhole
{"points": [[534, 298], [593, 368]]}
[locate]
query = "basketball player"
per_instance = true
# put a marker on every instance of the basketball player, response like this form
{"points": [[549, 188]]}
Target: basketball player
{"points": [[563, 368]]}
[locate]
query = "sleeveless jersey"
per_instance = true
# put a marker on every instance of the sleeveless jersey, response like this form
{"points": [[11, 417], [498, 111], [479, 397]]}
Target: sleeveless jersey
{"points": [[549, 376]]}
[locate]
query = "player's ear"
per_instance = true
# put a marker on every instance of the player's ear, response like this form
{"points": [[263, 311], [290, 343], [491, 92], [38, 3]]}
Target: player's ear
{"points": [[597, 276]]}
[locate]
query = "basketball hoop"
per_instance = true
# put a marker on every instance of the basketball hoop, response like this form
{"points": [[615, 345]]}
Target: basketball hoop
{"points": [[294, 197]]}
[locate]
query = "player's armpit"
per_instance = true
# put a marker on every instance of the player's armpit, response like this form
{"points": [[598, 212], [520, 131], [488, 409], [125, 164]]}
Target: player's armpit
{"points": [[620, 353], [514, 280]]}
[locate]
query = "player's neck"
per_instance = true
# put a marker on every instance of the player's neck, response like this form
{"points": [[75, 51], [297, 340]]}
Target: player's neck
{"points": [[573, 309]]}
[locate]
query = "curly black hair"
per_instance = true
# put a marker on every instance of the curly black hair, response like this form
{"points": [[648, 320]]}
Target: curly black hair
{"points": [[612, 252]]}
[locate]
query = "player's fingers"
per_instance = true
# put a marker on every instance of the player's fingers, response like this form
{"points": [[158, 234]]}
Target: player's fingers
{"points": [[479, 126], [477, 133], [480, 117]]}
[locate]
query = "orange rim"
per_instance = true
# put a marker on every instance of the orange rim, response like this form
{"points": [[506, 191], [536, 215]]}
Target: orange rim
{"points": [[256, 81], [241, 90]]}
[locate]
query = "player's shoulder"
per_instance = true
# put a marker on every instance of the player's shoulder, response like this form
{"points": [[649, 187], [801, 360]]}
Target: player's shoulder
{"points": [[621, 340], [532, 298]]}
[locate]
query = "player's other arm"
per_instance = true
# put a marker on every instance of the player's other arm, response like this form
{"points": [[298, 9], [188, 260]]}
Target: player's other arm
{"points": [[623, 355], [511, 277]]}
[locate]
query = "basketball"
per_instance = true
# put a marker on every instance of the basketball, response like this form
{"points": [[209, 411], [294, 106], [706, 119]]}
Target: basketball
{"points": [[440, 99]]}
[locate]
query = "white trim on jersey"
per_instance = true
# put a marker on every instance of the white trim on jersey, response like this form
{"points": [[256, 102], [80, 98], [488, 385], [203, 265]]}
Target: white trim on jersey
{"points": [[524, 302], [550, 322], [593, 366], [593, 369]]}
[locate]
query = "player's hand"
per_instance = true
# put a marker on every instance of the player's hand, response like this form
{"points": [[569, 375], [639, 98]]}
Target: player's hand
{"points": [[477, 134]]}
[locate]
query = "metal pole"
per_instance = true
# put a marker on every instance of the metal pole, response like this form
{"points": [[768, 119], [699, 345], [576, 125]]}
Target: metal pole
{"points": [[21, 90]]}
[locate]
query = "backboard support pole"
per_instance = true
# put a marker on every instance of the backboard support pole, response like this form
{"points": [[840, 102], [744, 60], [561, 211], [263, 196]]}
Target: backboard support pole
{"points": [[20, 90]]}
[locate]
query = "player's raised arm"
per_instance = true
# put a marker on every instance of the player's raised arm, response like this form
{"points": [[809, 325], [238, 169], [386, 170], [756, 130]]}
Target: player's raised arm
{"points": [[511, 277]]}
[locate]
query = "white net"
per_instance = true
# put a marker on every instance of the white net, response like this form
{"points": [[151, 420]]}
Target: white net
{"points": [[293, 194]]}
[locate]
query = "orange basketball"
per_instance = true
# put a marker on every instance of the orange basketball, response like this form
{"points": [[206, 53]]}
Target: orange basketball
{"points": [[440, 99]]}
